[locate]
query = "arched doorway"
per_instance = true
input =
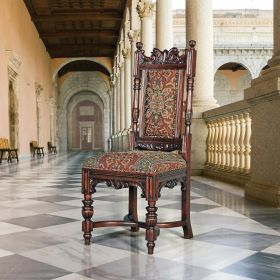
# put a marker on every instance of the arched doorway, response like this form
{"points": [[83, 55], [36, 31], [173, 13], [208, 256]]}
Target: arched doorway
{"points": [[85, 123], [230, 81], [13, 116], [75, 78]]}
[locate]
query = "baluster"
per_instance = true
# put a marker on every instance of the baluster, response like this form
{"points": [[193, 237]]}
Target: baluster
{"points": [[247, 141], [228, 132], [220, 143], [223, 152], [216, 148], [212, 143], [208, 147], [236, 142], [241, 143], [209, 143], [231, 141]]}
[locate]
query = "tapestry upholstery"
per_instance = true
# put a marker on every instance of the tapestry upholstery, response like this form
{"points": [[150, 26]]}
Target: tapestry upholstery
{"points": [[160, 103], [136, 161]]}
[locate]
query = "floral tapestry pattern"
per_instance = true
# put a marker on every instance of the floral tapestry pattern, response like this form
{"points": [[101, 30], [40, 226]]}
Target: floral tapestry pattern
{"points": [[161, 103], [136, 161]]}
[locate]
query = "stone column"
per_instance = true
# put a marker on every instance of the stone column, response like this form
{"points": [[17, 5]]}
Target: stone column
{"points": [[164, 24], [113, 100], [127, 86], [117, 112], [122, 96], [275, 61], [52, 119], [133, 36], [38, 90], [199, 27], [145, 10], [264, 97]]}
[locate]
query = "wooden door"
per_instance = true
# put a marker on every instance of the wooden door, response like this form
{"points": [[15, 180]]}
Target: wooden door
{"points": [[86, 138]]}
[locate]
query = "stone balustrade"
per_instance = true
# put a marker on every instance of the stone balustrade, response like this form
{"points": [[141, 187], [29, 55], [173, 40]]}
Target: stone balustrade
{"points": [[120, 141], [229, 142]]}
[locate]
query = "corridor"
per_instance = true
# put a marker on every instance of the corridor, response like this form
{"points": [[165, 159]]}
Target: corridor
{"points": [[41, 237]]}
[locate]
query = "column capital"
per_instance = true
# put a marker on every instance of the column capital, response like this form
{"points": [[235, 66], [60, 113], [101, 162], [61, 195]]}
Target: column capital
{"points": [[126, 52], [133, 35], [145, 8]]}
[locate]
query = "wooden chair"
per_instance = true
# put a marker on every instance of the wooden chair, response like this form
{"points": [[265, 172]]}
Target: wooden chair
{"points": [[51, 148], [160, 143], [35, 149], [5, 148]]}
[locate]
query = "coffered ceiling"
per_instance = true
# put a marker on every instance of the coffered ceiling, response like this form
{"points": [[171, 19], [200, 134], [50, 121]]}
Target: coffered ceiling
{"points": [[77, 28]]}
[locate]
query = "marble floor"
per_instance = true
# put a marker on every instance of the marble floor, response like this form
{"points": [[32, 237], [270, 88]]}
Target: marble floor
{"points": [[41, 238]]}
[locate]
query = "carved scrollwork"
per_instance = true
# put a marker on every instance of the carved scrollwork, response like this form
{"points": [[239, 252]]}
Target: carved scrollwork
{"points": [[183, 184], [171, 56], [169, 184], [116, 184], [168, 147]]}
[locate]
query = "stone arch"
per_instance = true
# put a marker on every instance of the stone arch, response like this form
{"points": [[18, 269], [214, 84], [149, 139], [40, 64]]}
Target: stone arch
{"points": [[219, 63], [69, 60], [55, 98], [95, 85], [231, 79], [88, 101]]}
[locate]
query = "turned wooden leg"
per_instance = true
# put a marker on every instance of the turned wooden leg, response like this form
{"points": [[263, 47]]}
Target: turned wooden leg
{"points": [[186, 221], [87, 209], [151, 221], [87, 212], [132, 207]]}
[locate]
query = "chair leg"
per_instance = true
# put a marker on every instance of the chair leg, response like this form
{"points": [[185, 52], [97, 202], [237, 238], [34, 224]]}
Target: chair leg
{"points": [[16, 154], [151, 221], [87, 209], [9, 156], [132, 207], [187, 228]]}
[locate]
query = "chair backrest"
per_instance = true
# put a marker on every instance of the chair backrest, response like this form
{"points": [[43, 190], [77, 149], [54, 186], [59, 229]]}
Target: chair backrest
{"points": [[34, 144], [163, 87], [4, 143], [49, 144]]}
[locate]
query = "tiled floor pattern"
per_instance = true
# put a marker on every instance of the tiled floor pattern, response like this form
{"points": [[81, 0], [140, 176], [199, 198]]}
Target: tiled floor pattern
{"points": [[40, 230]]}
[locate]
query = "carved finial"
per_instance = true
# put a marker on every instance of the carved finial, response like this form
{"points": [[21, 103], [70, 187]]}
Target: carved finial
{"points": [[192, 43], [139, 46]]}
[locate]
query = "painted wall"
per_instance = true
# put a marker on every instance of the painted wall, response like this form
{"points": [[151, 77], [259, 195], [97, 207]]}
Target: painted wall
{"points": [[19, 37]]}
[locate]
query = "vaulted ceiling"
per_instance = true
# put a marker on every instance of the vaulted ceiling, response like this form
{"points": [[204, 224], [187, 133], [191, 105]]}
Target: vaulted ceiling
{"points": [[78, 28]]}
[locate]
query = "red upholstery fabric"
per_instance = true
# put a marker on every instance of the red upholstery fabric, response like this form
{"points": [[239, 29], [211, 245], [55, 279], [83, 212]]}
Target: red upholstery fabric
{"points": [[160, 103], [136, 161]]}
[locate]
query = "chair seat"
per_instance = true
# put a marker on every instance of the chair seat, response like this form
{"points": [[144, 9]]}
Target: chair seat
{"points": [[151, 162]]}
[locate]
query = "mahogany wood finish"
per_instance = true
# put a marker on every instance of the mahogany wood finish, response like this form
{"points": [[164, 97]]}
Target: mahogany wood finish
{"points": [[150, 184]]}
